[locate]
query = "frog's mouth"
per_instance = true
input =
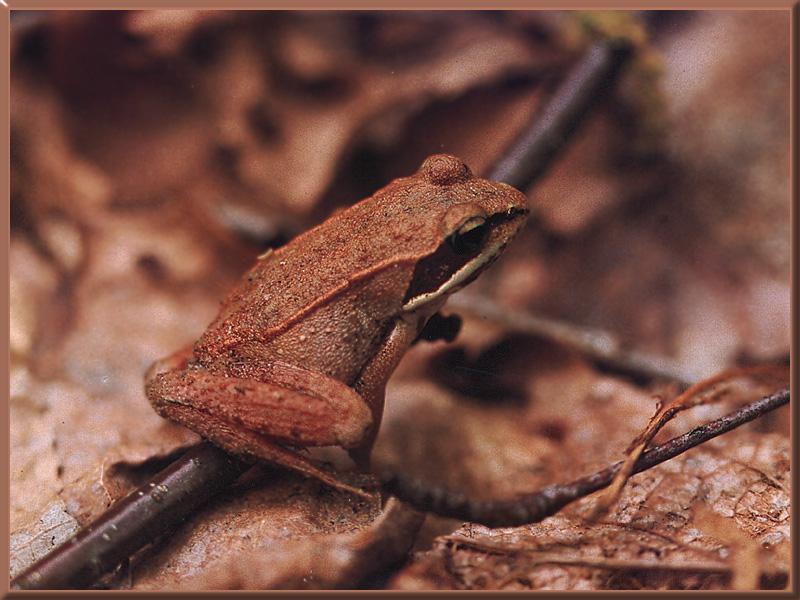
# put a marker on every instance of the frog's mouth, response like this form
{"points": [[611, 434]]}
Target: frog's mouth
{"points": [[461, 258]]}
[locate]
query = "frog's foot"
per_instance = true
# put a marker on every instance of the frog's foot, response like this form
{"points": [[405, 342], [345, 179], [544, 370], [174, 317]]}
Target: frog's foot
{"points": [[249, 444]]}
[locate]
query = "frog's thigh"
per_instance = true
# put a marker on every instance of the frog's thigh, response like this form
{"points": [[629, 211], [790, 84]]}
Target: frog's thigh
{"points": [[306, 409], [244, 442]]}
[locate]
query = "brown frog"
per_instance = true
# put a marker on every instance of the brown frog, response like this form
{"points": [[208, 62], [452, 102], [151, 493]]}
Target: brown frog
{"points": [[302, 348]]}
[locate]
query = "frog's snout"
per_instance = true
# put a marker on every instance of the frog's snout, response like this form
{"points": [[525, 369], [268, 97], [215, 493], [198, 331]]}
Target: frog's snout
{"points": [[517, 202], [445, 169]]}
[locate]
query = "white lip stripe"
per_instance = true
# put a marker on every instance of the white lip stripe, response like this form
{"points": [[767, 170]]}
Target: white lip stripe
{"points": [[458, 277]]}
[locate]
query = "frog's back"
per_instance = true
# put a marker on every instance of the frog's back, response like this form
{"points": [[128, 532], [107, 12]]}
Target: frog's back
{"points": [[337, 286], [352, 263]]}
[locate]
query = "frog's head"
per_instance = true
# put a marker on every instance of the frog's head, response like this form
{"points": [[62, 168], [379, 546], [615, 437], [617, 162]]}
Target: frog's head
{"points": [[470, 221]]}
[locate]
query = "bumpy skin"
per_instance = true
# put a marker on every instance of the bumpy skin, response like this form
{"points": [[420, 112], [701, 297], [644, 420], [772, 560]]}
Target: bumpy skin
{"points": [[301, 350]]}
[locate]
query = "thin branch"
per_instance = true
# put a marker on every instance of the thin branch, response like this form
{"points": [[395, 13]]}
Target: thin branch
{"points": [[549, 500], [132, 522], [602, 347], [536, 148], [534, 556], [709, 390]]}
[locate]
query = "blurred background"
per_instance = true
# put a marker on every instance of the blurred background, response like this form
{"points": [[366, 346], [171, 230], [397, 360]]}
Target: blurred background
{"points": [[155, 154]]}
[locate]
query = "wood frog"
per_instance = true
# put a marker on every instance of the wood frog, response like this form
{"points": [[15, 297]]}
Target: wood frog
{"points": [[303, 346]]}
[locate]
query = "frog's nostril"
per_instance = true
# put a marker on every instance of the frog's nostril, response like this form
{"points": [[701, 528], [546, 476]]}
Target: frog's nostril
{"points": [[445, 169]]}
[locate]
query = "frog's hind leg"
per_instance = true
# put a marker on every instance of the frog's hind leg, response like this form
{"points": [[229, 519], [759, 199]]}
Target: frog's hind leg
{"points": [[292, 406], [248, 417], [251, 444]]}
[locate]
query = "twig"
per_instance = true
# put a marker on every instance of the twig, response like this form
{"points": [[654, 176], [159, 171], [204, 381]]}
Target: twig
{"points": [[602, 347], [549, 500], [533, 557], [709, 390], [134, 521], [88, 555], [535, 149]]}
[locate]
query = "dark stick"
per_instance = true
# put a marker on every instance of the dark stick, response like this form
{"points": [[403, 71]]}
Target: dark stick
{"points": [[602, 347], [549, 500], [533, 152], [134, 521], [88, 555]]}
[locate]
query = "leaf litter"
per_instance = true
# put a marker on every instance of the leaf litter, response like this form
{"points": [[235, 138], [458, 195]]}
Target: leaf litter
{"points": [[146, 178]]}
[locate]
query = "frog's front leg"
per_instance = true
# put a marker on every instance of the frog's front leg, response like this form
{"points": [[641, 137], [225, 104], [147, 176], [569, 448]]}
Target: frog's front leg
{"points": [[252, 418], [371, 383]]}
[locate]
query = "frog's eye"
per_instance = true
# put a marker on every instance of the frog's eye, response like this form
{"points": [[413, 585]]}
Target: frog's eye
{"points": [[469, 237]]}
